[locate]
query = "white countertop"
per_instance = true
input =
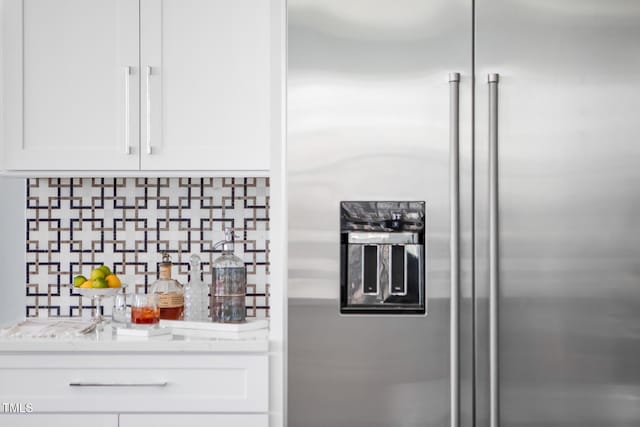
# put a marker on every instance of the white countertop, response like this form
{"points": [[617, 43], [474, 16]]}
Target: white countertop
{"points": [[108, 341]]}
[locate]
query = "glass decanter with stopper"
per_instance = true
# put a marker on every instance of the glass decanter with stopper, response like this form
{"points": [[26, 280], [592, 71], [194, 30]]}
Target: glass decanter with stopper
{"points": [[196, 294], [228, 289], [170, 292]]}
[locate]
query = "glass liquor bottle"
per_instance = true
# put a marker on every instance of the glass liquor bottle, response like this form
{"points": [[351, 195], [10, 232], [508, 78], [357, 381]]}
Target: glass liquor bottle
{"points": [[170, 292], [228, 289], [196, 294]]}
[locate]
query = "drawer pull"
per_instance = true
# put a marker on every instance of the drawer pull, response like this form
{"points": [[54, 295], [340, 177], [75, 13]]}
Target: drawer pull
{"points": [[92, 384]]}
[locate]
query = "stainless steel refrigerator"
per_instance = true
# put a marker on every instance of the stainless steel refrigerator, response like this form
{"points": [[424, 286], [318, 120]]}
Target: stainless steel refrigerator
{"points": [[515, 126]]}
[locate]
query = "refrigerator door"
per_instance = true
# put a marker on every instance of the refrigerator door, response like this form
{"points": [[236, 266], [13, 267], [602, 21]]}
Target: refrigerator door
{"points": [[567, 337], [369, 119]]}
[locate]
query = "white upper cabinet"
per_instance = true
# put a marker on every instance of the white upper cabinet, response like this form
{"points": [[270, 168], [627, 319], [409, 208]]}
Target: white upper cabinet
{"points": [[70, 86], [128, 85], [205, 84]]}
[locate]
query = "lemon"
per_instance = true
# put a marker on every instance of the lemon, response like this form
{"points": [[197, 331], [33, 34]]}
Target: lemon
{"points": [[99, 283], [97, 273], [105, 269], [113, 281], [87, 284], [79, 280]]}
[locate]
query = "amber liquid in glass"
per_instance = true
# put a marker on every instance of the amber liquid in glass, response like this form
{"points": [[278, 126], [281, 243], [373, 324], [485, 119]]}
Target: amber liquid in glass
{"points": [[145, 315], [171, 313]]}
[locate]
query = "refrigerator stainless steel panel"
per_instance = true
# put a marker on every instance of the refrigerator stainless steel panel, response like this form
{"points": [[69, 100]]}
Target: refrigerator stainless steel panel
{"points": [[568, 211], [368, 119]]}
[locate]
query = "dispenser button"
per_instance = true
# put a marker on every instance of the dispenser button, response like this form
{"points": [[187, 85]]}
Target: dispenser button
{"points": [[398, 282], [370, 269]]}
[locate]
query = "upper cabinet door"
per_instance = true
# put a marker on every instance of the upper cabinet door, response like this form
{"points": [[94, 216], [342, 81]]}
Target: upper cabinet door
{"points": [[206, 78], [71, 84]]}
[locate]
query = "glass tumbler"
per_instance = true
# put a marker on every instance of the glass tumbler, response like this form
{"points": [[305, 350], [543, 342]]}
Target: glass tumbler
{"points": [[145, 309], [122, 308]]}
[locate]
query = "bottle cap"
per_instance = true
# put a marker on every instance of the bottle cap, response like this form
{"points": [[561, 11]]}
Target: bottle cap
{"points": [[194, 260], [228, 237]]}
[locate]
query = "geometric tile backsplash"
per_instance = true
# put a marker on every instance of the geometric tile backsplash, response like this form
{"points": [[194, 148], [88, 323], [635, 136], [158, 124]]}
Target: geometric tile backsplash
{"points": [[76, 224]]}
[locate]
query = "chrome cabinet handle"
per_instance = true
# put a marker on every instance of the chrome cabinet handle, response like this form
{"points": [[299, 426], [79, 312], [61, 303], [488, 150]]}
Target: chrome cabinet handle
{"points": [[147, 75], [494, 420], [454, 200], [97, 384], [127, 109]]}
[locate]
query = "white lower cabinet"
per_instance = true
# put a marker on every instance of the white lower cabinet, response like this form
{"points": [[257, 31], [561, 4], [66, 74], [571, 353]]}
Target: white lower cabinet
{"points": [[54, 420], [194, 420], [134, 420], [94, 389], [118, 383]]}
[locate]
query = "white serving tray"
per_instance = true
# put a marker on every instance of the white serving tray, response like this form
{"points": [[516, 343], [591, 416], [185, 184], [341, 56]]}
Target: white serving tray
{"points": [[258, 334], [249, 325], [143, 332]]}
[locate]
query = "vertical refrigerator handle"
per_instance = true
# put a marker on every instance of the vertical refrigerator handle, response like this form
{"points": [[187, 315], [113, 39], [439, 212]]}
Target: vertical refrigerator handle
{"points": [[454, 194], [494, 415]]}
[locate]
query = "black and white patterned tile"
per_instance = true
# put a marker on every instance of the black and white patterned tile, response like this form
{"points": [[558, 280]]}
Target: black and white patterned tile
{"points": [[75, 224]]}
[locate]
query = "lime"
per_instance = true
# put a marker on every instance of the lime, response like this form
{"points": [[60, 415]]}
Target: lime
{"points": [[99, 283], [79, 280], [105, 269], [97, 273]]}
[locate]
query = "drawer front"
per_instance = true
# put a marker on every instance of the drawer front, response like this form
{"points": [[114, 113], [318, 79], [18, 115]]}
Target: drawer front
{"points": [[137, 383], [194, 420], [52, 420]]}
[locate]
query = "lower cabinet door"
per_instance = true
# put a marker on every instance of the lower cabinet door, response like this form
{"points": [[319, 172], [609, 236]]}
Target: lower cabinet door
{"points": [[51, 420], [194, 420]]}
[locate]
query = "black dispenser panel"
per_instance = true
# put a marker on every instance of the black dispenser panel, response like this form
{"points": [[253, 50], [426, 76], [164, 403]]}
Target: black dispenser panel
{"points": [[398, 271], [382, 258], [370, 269]]}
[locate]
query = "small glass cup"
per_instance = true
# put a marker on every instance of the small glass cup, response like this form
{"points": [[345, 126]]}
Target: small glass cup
{"points": [[121, 308], [145, 310]]}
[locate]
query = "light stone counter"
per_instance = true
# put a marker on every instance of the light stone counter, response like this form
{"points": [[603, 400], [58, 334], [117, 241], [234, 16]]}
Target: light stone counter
{"points": [[108, 341]]}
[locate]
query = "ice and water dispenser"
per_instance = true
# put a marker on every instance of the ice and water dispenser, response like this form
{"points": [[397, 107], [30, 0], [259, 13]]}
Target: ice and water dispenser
{"points": [[382, 257]]}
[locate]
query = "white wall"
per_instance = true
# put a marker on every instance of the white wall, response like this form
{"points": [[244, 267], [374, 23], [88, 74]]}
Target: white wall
{"points": [[12, 249]]}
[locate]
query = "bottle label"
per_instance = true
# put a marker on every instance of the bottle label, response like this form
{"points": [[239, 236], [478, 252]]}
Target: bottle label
{"points": [[172, 299]]}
